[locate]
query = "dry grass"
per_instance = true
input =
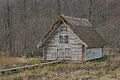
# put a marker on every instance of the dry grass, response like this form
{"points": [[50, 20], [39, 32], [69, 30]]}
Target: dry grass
{"points": [[7, 62], [104, 69]]}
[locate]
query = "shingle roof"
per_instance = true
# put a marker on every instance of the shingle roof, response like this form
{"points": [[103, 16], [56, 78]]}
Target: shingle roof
{"points": [[81, 27], [77, 21], [89, 36]]}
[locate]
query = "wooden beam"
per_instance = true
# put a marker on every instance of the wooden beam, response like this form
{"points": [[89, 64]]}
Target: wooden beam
{"points": [[50, 36], [26, 67], [43, 53]]}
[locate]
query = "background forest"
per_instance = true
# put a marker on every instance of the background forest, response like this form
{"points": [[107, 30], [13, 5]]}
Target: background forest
{"points": [[24, 22]]}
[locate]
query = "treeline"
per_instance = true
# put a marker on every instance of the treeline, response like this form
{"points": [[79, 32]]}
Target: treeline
{"points": [[24, 22]]}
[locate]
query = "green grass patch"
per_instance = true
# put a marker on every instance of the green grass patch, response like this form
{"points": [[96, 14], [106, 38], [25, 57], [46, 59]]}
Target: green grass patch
{"points": [[83, 64], [35, 62], [30, 68], [19, 70], [108, 57]]}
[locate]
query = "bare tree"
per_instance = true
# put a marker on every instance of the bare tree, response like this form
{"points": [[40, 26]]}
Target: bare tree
{"points": [[24, 22]]}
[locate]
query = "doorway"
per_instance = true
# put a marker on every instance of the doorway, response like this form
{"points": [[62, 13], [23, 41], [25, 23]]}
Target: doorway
{"points": [[59, 54]]}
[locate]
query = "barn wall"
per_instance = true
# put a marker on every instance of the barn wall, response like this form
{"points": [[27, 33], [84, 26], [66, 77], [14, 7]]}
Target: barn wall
{"points": [[93, 53], [53, 44]]}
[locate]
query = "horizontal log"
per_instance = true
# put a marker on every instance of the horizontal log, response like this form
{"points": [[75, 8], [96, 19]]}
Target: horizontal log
{"points": [[26, 67]]}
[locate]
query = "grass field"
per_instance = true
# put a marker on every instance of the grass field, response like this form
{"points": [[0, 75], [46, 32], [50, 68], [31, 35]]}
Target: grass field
{"points": [[8, 62], [107, 68]]}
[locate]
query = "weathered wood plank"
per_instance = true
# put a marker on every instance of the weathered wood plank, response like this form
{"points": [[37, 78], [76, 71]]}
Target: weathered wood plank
{"points": [[26, 67], [53, 44]]}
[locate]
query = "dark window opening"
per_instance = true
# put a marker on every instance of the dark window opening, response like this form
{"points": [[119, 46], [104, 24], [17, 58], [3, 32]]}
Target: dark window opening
{"points": [[63, 39], [59, 53], [66, 39]]}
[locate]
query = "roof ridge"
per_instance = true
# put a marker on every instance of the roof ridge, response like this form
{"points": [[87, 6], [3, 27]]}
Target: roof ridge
{"points": [[72, 17], [83, 20]]}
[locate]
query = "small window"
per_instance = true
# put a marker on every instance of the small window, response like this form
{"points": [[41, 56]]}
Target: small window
{"points": [[63, 28], [59, 53], [61, 39], [67, 50], [66, 38]]}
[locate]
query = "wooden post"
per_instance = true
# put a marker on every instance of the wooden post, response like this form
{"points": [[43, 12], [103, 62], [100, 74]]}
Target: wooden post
{"points": [[102, 51], [43, 53], [83, 52], [82, 57]]}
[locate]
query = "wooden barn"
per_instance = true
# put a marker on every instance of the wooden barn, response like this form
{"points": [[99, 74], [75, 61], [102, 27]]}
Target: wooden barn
{"points": [[72, 38]]}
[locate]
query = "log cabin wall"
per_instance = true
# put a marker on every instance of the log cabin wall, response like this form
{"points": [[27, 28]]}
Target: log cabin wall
{"points": [[65, 51]]}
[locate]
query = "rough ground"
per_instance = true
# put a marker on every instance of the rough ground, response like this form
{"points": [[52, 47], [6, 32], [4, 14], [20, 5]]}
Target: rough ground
{"points": [[103, 69]]}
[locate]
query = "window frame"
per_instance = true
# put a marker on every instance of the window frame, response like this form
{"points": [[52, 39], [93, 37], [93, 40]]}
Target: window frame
{"points": [[59, 49], [66, 39], [61, 39]]}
